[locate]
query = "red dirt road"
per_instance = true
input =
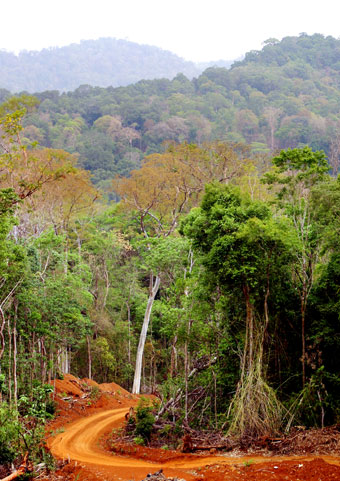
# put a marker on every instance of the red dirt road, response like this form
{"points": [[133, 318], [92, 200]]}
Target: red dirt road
{"points": [[80, 443]]}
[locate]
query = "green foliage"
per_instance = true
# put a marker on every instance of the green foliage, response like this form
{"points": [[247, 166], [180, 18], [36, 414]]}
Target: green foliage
{"points": [[242, 232], [297, 169], [8, 198], [95, 393], [9, 434], [24, 430], [37, 406], [144, 419], [105, 362], [166, 255], [284, 96], [139, 440]]}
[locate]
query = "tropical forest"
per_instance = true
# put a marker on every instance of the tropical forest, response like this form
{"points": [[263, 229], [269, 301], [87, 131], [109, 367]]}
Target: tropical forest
{"points": [[170, 266]]}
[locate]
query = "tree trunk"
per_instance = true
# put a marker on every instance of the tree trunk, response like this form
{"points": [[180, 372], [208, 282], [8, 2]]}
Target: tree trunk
{"points": [[129, 329], [186, 362], [63, 361], [50, 365], [107, 285], [249, 346], [43, 360], [9, 361], [303, 358], [186, 368], [173, 362], [89, 357], [266, 317], [142, 338], [2, 337], [15, 353], [215, 398]]}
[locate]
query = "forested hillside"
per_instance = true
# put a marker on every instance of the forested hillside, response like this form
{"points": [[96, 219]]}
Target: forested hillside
{"points": [[230, 264], [286, 95], [103, 62]]}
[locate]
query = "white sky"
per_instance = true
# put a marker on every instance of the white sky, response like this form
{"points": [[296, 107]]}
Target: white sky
{"points": [[197, 30]]}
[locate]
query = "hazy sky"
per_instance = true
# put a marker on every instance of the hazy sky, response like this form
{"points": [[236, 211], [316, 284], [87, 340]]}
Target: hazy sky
{"points": [[193, 29]]}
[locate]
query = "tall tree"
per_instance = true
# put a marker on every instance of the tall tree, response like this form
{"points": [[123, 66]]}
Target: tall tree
{"points": [[296, 173], [244, 248]]}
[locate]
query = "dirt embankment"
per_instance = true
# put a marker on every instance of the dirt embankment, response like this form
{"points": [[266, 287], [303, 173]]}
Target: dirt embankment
{"points": [[89, 411]]}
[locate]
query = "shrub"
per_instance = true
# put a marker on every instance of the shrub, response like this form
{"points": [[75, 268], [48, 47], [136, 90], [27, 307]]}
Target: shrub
{"points": [[139, 440], [9, 435], [144, 419], [95, 393]]}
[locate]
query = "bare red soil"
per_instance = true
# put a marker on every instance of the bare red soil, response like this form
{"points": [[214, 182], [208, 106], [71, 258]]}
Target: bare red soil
{"points": [[87, 417]]}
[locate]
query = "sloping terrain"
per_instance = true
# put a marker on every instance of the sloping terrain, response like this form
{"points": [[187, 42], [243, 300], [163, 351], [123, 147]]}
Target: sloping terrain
{"points": [[103, 62], [84, 418]]}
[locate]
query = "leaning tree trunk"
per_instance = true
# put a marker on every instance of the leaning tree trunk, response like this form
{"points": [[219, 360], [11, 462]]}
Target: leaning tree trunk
{"points": [[142, 338]]}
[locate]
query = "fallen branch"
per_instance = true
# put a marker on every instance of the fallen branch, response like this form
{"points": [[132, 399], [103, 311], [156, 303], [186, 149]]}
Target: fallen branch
{"points": [[25, 467], [209, 447], [201, 364]]}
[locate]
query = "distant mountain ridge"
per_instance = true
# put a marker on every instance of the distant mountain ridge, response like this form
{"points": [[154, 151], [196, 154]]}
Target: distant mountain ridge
{"points": [[286, 95], [104, 62]]}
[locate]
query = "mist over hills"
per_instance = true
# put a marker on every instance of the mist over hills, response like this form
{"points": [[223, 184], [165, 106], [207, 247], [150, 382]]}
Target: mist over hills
{"points": [[104, 62], [284, 96]]}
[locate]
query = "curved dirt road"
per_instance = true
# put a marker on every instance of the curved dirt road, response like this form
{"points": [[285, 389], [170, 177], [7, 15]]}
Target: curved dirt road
{"points": [[80, 442]]}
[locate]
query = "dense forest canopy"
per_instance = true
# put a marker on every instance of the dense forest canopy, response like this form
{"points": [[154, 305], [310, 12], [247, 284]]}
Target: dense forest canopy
{"points": [[286, 95]]}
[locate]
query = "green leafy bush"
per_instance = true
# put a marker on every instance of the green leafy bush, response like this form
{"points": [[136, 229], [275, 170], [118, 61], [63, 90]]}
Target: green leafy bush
{"points": [[95, 393], [139, 440], [9, 434], [144, 419], [38, 405]]}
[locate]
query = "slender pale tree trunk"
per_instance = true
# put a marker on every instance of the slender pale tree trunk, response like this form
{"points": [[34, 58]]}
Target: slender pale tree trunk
{"points": [[50, 365], [15, 376], [215, 398], [63, 360], [43, 361], [107, 285], [32, 355], [173, 362], [303, 336], [2, 336], [142, 338], [68, 359], [9, 361], [89, 356], [129, 329], [15, 355], [186, 368]]}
